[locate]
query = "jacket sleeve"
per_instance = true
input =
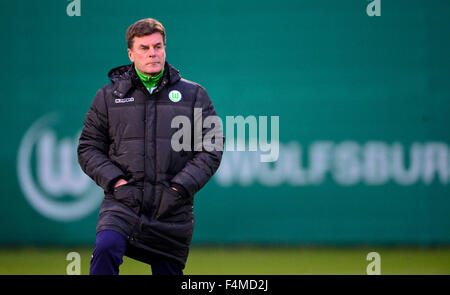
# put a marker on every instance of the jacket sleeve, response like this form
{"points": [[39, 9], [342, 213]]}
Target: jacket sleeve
{"points": [[204, 164], [94, 144]]}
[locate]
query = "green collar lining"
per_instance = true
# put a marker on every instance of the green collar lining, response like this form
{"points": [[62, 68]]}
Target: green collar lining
{"points": [[149, 82]]}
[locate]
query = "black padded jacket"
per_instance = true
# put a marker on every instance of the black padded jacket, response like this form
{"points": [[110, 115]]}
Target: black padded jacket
{"points": [[127, 134]]}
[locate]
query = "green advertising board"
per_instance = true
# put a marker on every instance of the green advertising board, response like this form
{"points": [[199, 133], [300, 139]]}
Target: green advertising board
{"points": [[359, 91]]}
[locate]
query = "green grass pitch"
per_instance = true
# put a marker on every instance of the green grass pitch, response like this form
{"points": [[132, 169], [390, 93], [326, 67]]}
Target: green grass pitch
{"points": [[245, 260]]}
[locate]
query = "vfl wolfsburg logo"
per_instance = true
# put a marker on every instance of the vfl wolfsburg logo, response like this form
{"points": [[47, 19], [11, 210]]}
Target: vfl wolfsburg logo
{"points": [[49, 174], [175, 95]]}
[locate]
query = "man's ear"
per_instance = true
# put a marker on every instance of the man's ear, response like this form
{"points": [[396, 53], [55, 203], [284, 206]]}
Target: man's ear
{"points": [[130, 54]]}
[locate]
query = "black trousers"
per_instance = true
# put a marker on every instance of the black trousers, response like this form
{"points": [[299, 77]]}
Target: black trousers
{"points": [[108, 254]]}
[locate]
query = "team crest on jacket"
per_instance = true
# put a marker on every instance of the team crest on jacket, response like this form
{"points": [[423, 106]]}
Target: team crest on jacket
{"points": [[175, 95]]}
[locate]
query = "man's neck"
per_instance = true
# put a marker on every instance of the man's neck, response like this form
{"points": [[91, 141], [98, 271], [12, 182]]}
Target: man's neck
{"points": [[149, 81], [148, 74]]}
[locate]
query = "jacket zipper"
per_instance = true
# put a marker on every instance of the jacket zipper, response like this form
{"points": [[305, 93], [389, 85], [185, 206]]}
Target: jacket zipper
{"points": [[163, 83]]}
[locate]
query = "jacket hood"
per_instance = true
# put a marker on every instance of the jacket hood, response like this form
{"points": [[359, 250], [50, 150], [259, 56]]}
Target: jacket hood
{"points": [[119, 73]]}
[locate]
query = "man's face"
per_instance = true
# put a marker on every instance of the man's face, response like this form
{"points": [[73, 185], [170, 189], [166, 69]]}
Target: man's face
{"points": [[148, 54]]}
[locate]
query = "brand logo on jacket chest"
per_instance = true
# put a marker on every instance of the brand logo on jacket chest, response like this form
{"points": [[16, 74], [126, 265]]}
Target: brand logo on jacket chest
{"points": [[124, 100]]}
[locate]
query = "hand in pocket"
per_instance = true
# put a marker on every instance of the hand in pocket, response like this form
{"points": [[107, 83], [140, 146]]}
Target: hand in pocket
{"points": [[127, 194]]}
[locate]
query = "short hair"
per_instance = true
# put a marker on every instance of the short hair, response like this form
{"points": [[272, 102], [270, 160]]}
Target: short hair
{"points": [[144, 27]]}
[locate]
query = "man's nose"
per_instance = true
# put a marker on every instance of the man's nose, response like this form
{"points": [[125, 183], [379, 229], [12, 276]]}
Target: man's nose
{"points": [[152, 52]]}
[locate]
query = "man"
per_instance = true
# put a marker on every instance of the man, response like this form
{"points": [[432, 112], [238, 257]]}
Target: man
{"points": [[125, 147]]}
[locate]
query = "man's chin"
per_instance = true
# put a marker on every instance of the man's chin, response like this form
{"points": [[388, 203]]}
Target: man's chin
{"points": [[153, 70]]}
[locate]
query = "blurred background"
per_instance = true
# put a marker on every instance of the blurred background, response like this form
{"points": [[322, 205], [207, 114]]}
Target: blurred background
{"points": [[362, 92]]}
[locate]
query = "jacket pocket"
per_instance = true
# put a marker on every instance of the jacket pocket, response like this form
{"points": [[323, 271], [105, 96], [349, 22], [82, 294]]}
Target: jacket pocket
{"points": [[128, 194], [171, 205]]}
